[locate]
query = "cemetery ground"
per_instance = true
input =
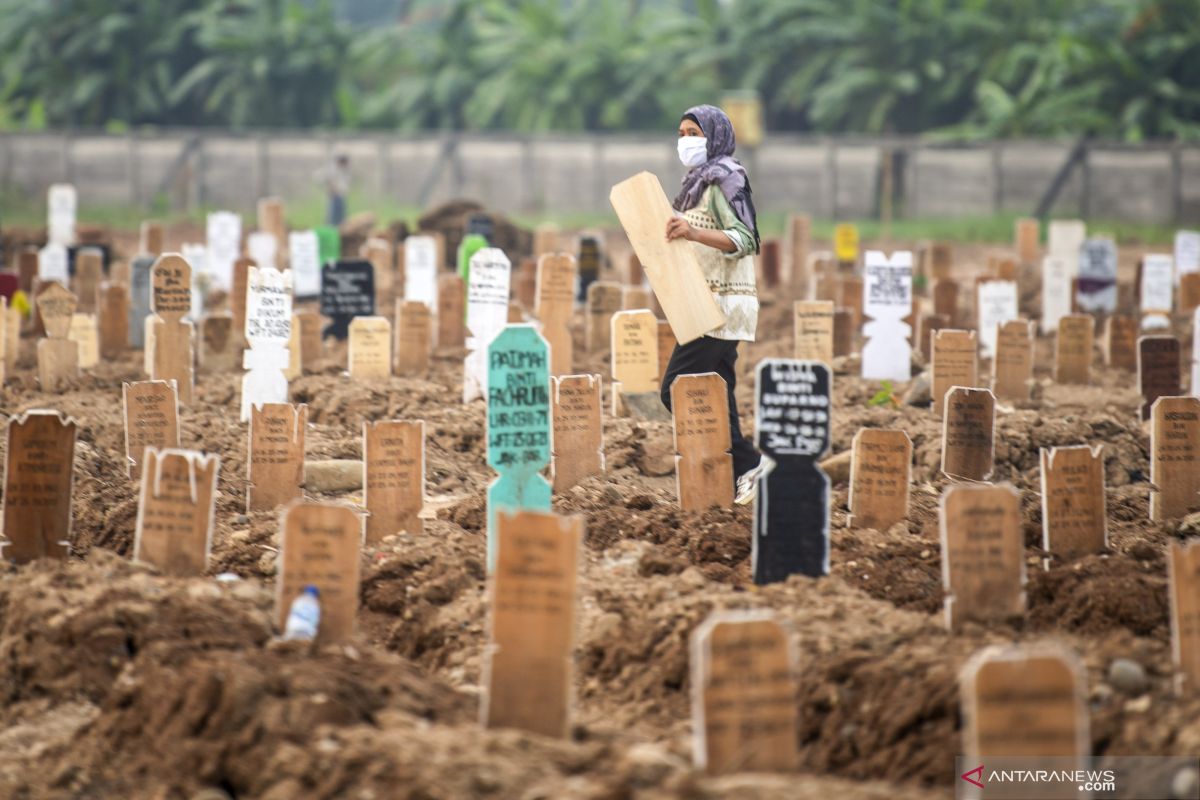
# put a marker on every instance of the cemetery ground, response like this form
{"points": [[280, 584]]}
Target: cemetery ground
{"points": [[118, 681]]}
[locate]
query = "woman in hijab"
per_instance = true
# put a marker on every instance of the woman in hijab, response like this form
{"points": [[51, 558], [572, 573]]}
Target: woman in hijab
{"points": [[715, 212]]}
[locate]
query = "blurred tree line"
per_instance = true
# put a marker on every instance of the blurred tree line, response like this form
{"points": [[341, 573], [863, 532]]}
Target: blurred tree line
{"points": [[1123, 69]]}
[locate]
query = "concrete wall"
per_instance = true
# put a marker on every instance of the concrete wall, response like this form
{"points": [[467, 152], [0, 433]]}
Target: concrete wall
{"points": [[829, 178]]}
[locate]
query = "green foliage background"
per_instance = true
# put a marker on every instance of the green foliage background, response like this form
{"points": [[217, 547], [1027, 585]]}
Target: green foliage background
{"points": [[1118, 69]]}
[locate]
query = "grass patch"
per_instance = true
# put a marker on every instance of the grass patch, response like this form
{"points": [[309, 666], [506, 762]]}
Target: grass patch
{"points": [[308, 211]]}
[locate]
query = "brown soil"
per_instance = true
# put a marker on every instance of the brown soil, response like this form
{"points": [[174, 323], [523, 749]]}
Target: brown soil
{"points": [[117, 682]]}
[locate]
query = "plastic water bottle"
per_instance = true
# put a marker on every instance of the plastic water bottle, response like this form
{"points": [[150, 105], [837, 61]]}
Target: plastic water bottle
{"points": [[304, 617]]}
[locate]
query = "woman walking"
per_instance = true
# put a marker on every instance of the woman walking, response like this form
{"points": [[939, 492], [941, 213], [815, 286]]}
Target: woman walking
{"points": [[715, 212]]}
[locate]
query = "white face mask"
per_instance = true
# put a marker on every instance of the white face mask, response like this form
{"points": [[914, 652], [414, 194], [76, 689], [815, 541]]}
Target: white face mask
{"points": [[693, 150]]}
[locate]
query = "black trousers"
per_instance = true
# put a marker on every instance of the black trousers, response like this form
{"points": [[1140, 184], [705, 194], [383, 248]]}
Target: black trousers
{"points": [[707, 354]]}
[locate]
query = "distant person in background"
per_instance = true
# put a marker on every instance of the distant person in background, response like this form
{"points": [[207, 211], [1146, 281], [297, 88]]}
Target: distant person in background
{"points": [[335, 179], [715, 212]]}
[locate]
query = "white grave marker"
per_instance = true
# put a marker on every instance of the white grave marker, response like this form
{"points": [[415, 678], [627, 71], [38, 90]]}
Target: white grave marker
{"points": [[1158, 282], [887, 300], [263, 248], [304, 251], [61, 203], [52, 264], [1187, 253], [997, 305], [224, 241], [1057, 275], [487, 314], [268, 330], [421, 270]]}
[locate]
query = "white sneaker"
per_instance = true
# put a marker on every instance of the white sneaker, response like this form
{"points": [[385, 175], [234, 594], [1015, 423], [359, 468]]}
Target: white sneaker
{"points": [[747, 485]]}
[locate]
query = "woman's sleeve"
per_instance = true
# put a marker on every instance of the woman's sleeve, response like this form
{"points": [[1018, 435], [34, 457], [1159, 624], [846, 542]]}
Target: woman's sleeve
{"points": [[741, 236]]}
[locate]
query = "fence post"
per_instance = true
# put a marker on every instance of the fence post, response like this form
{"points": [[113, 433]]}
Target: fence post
{"points": [[1176, 182], [831, 178], [1085, 177], [997, 177]]}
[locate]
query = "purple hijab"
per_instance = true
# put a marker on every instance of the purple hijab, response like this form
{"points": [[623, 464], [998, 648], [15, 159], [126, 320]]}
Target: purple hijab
{"points": [[721, 168]]}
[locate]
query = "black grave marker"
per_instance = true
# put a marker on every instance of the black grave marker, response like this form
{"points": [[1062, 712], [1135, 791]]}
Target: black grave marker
{"points": [[791, 512], [347, 291]]}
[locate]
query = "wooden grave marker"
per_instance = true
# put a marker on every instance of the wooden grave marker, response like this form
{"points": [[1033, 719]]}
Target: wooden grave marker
{"points": [[309, 323], [451, 330], [634, 354], [1073, 349], [880, 473], [1026, 233], [1120, 342], [945, 300], [1012, 369], [5, 315], [175, 510], [320, 545], [1096, 290], [578, 433], [1074, 521], [666, 347], [1174, 457], [555, 302], [997, 305], [968, 427], [703, 462], [983, 553], [589, 263], [57, 355], [603, 301], [370, 351], [635, 297], [528, 662], [421, 270], [39, 476], [887, 300], [275, 462], [237, 296], [220, 348], [791, 512], [487, 314], [12, 338], [546, 239], [89, 272], [271, 221], [768, 262], [1160, 372], [1189, 293], [295, 365], [169, 335], [1025, 704], [1195, 354], [151, 412], [151, 238], [393, 477], [268, 331], [843, 332], [744, 713], [954, 363], [414, 337], [812, 330], [27, 269], [347, 291], [524, 286], [1183, 569], [672, 267], [87, 339], [799, 242], [850, 297], [927, 324], [379, 253], [518, 424]]}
